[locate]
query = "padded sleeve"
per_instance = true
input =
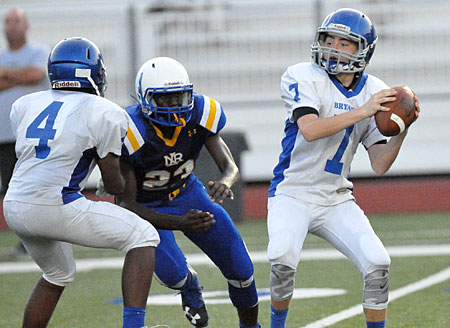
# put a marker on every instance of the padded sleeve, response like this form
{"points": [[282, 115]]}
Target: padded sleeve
{"points": [[109, 130], [298, 90]]}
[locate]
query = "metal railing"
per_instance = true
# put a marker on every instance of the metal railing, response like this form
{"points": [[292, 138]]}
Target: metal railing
{"points": [[236, 51]]}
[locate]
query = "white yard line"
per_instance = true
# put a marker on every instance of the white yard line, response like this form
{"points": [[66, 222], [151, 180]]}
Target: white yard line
{"points": [[393, 295], [307, 255], [257, 257]]}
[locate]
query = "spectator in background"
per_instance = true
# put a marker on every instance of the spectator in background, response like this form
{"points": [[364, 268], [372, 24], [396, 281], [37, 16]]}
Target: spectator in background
{"points": [[23, 70]]}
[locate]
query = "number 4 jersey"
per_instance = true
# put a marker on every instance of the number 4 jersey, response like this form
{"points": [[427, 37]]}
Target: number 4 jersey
{"points": [[60, 135], [317, 171], [162, 163]]}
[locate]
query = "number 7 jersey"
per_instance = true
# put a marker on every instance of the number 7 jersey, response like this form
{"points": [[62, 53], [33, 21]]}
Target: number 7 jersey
{"points": [[60, 136], [317, 171]]}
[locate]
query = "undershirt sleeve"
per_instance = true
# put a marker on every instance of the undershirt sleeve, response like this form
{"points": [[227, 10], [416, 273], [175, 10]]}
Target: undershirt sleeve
{"points": [[302, 111]]}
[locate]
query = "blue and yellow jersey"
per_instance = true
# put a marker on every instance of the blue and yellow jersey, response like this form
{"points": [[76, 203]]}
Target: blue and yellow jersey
{"points": [[163, 165]]}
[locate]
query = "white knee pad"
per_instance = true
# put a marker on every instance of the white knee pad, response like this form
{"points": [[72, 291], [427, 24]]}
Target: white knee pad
{"points": [[241, 283], [376, 290], [282, 282], [179, 284]]}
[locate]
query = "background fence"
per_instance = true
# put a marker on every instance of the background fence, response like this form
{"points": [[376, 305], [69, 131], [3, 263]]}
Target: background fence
{"points": [[236, 52]]}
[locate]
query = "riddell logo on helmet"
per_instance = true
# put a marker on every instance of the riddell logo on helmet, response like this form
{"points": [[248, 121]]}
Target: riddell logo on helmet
{"points": [[174, 83], [340, 27], [66, 84]]}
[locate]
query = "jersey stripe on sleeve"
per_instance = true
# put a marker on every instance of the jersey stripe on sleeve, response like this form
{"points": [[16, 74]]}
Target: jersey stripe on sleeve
{"points": [[133, 140], [211, 114]]}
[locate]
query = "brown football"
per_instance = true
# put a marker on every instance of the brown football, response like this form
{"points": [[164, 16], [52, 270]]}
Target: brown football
{"points": [[401, 112]]}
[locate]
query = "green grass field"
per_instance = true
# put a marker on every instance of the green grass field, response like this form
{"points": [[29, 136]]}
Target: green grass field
{"points": [[87, 301]]}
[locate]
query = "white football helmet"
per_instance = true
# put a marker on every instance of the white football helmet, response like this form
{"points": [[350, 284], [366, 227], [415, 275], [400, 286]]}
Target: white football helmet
{"points": [[165, 92]]}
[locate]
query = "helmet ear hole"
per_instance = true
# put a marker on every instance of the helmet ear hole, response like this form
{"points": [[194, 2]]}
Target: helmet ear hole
{"points": [[322, 37]]}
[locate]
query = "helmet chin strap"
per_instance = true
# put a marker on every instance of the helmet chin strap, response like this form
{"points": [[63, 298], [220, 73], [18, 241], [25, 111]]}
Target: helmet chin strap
{"points": [[86, 72], [180, 120]]}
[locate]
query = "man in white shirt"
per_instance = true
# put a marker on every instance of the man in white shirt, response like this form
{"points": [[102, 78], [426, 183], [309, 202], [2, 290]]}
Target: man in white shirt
{"points": [[23, 70]]}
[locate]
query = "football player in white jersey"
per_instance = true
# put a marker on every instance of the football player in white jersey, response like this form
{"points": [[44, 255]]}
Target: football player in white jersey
{"points": [[331, 104], [61, 135]]}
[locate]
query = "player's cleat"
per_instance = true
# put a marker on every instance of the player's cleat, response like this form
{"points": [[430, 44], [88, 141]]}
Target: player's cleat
{"points": [[192, 301]]}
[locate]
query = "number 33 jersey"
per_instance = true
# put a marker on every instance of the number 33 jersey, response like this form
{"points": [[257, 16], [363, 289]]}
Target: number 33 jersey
{"points": [[317, 171], [163, 164], [60, 136]]}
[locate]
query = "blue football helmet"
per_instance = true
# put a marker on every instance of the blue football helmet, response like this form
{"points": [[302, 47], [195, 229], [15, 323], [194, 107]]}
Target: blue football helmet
{"points": [[77, 63], [349, 24], [165, 92]]}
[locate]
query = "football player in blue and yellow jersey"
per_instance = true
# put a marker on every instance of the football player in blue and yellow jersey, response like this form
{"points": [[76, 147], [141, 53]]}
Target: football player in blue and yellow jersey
{"points": [[168, 128]]}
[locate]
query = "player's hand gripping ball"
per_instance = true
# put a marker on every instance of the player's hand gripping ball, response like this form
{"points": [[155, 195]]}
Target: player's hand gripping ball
{"points": [[401, 114]]}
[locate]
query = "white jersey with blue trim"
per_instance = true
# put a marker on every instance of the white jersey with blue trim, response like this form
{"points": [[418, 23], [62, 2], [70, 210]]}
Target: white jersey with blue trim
{"points": [[317, 171], [60, 136]]}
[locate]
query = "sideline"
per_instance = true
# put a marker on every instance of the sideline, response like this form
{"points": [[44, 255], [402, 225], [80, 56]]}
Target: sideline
{"points": [[84, 265], [393, 295]]}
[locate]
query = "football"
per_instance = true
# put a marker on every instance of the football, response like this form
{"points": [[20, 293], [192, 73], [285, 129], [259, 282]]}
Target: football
{"points": [[401, 112]]}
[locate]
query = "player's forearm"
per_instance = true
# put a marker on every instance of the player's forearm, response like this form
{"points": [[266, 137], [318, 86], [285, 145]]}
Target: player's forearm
{"points": [[158, 220], [317, 128], [382, 156], [230, 176]]}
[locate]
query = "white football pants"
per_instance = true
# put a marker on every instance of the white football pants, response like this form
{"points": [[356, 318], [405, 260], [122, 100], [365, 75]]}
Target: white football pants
{"points": [[344, 226], [47, 232]]}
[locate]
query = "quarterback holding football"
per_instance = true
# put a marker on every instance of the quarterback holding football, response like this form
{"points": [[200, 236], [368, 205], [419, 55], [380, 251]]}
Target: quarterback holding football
{"points": [[331, 103]]}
